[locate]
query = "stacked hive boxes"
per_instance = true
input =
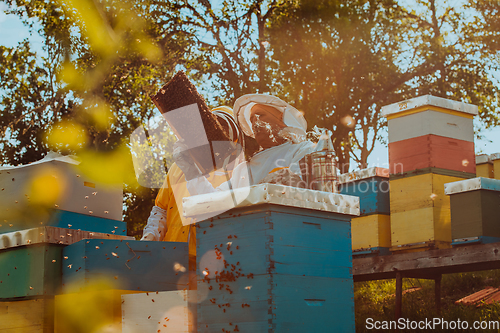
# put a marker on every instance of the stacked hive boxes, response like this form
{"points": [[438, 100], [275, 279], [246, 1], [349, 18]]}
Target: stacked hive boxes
{"points": [[371, 231], [275, 267], [475, 208], [431, 142], [42, 206]]}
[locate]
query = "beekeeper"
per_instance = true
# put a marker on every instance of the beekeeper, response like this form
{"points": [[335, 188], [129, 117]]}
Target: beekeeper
{"points": [[280, 131], [165, 222]]}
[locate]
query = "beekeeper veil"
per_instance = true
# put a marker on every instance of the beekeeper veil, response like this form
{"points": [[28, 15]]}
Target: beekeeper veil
{"points": [[293, 118]]}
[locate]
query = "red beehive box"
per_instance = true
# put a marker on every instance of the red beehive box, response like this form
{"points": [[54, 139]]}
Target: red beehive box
{"points": [[432, 151]]}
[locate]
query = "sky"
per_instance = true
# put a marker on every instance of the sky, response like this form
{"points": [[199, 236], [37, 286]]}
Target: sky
{"points": [[13, 31]]}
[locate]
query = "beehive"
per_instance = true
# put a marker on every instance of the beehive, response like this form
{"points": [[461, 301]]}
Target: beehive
{"points": [[371, 232], [430, 132], [135, 265], [33, 270], [475, 208], [495, 158], [371, 186], [420, 211], [484, 166], [271, 267], [27, 316], [166, 311], [51, 191]]}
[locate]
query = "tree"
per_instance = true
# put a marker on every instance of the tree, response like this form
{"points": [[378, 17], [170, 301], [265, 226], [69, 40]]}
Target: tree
{"points": [[341, 61]]}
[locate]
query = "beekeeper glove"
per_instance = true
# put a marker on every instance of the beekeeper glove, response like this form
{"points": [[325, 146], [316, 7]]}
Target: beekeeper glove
{"points": [[156, 227], [184, 161]]}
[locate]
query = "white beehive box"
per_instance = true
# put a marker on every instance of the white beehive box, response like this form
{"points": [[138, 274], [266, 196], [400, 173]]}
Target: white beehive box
{"points": [[159, 312], [54, 182]]}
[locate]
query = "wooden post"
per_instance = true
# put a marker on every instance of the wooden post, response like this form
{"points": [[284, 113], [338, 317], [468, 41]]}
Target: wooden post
{"points": [[437, 292], [399, 295]]}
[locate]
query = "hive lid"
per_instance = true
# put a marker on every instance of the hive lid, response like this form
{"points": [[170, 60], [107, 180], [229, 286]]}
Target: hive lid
{"points": [[363, 174], [429, 100], [482, 159], [211, 204], [472, 184], [51, 156], [495, 156]]}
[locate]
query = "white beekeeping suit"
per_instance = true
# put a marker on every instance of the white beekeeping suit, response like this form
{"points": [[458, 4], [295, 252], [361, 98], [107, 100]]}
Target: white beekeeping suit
{"points": [[266, 161]]}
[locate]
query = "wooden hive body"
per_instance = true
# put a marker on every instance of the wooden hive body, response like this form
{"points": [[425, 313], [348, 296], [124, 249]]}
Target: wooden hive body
{"points": [[135, 265], [68, 220], [495, 158], [27, 316], [269, 268], [475, 208], [484, 166], [371, 231], [162, 312], [29, 271], [431, 151], [420, 211]]}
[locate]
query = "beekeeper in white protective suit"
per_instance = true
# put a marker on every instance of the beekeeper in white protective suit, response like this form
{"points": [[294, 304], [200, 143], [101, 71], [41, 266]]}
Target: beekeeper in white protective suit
{"points": [[278, 128]]}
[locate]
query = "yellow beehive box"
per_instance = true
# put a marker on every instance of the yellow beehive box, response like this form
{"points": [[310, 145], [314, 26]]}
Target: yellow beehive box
{"points": [[420, 210], [371, 231], [495, 158], [90, 311], [484, 166], [27, 316]]}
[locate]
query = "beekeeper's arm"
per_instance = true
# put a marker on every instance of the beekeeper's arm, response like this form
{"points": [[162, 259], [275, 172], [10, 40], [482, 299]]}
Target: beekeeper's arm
{"points": [[156, 227]]}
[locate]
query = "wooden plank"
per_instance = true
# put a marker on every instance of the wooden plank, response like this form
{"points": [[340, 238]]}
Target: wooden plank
{"points": [[27, 316], [135, 265], [428, 264], [33, 270], [431, 151], [166, 311], [431, 122], [371, 231]]}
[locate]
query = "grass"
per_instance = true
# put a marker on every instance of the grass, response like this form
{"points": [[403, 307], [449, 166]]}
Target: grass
{"points": [[375, 299]]}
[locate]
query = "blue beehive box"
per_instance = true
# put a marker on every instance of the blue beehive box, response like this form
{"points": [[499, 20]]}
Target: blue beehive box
{"points": [[275, 268], [133, 265], [371, 186], [68, 220]]}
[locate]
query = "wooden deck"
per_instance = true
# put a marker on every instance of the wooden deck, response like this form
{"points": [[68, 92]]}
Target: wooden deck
{"points": [[428, 264]]}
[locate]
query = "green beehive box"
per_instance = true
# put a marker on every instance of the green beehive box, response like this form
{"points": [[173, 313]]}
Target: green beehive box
{"points": [[475, 207], [32, 270]]}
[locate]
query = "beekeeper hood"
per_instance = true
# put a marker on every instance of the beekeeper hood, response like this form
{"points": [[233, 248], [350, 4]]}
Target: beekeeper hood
{"points": [[293, 118]]}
